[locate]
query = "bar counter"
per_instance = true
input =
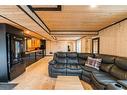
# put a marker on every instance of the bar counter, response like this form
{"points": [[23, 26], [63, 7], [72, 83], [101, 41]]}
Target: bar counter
{"points": [[33, 56], [33, 51]]}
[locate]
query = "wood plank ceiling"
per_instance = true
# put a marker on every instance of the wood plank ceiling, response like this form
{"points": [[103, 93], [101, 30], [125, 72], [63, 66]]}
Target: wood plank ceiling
{"points": [[81, 19], [73, 21]]}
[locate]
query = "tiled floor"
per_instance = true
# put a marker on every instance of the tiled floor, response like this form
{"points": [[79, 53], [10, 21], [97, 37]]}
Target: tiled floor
{"points": [[36, 77]]}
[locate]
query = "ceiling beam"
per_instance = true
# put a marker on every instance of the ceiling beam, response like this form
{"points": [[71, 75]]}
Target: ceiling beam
{"points": [[74, 31], [72, 34], [20, 7], [30, 7], [58, 8]]}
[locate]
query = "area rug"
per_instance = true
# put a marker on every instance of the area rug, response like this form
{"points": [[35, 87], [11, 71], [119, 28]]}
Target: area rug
{"points": [[7, 86]]}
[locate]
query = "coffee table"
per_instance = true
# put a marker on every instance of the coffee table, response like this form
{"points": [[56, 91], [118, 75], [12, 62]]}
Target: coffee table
{"points": [[68, 83]]}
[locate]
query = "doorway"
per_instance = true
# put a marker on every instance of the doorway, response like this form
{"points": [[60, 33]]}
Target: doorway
{"points": [[70, 47], [95, 45]]}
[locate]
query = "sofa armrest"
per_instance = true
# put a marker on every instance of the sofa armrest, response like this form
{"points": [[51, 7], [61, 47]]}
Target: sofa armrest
{"points": [[52, 62], [123, 83]]}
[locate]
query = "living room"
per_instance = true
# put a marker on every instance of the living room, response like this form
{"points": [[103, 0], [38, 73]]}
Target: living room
{"points": [[63, 47]]}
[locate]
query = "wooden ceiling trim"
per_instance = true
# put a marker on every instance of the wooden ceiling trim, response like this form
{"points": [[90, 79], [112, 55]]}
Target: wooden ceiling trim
{"points": [[74, 31], [74, 34], [112, 24], [30, 7], [58, 8], [82, 37], [68, 35], [32, 18]]}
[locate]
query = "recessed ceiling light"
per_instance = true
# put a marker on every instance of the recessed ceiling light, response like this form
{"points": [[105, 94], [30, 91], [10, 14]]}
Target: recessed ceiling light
{"points": [[27, 32], [93, 6]]}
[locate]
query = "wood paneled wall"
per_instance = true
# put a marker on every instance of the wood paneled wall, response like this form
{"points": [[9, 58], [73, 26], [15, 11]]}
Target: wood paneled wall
{"points": [[113, 40], [55, 46], [86, 45]]}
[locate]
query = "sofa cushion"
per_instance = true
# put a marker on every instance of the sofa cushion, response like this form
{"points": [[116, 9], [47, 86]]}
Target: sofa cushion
{"points": [[72, 61], [86, 73], [61, 60], [121, 62], [99, 73], [59, 66], [84, 56], [73, 67], [85, 78], [106, 67], [72, 58], [93, 62], [89, 69], [81, 61], [61, 54], [58, 71], [107, 59], [118, 73], [104, 82], [70, 71], [104, 78], [72, 55]]}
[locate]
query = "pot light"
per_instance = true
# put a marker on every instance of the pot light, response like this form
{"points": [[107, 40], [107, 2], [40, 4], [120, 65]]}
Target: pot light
{"points": [[27, 32]]}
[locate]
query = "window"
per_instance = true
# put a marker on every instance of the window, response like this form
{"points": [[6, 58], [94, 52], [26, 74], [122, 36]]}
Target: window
{"points": [[78, 45]]}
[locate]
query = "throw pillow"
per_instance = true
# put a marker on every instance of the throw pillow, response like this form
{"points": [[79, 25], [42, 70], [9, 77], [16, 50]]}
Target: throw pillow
{"points": [[93, 62]]}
